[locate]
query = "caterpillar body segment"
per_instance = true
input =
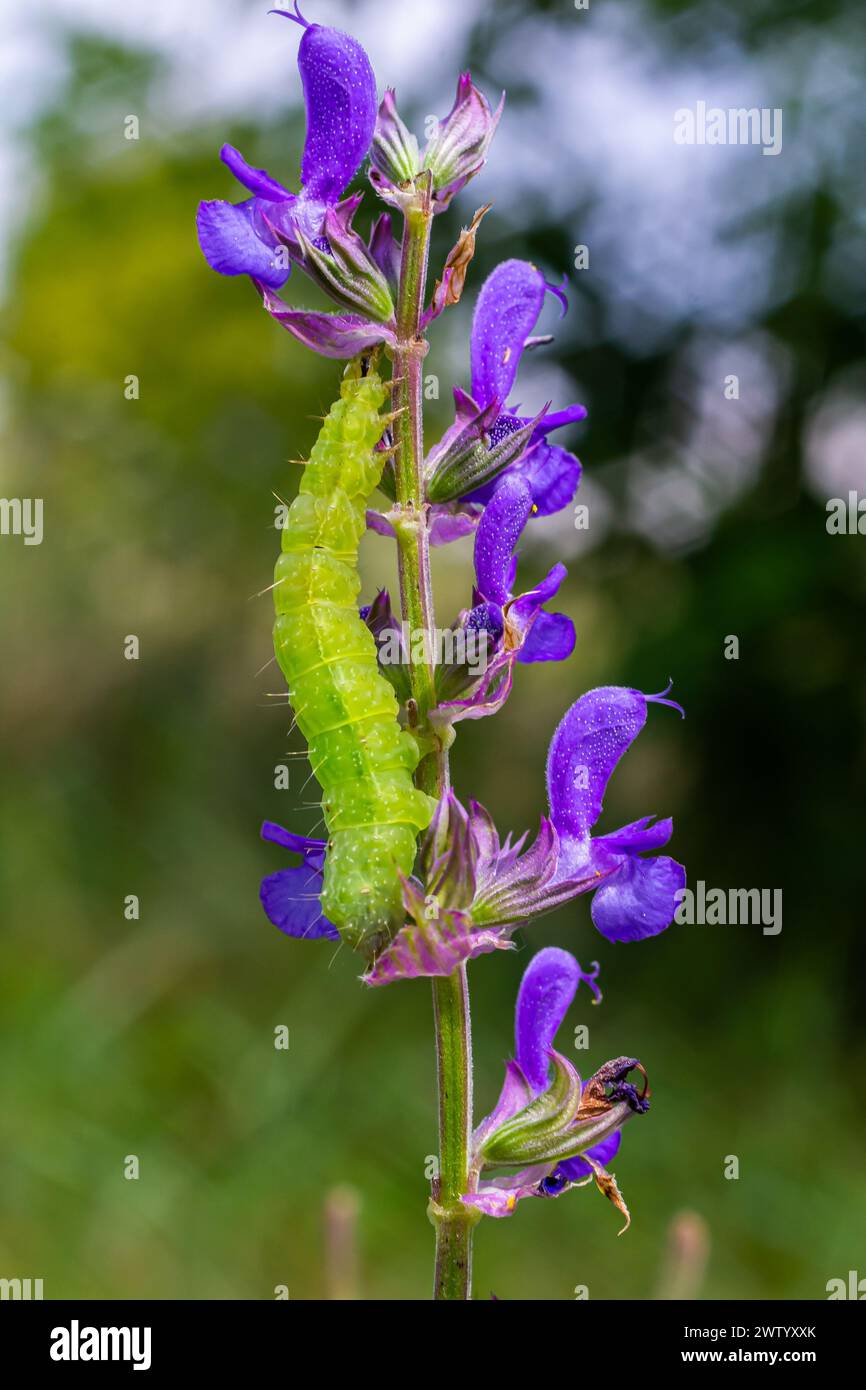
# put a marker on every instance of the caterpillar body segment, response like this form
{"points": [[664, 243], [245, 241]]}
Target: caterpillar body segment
{"points": [[345, 709]]}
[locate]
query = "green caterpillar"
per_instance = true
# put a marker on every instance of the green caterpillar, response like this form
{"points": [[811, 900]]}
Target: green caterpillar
{"points": [[345, 709]]}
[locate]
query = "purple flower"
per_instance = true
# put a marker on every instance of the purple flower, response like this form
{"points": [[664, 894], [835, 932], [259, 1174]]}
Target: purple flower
{"points": [[290, 897], [474, 890], [518, 626], [340, 96], [556, 1131], [638, 896], [489, 437]]}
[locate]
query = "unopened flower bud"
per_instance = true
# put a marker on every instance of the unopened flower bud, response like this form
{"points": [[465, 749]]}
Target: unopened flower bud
{"points": [[459, 147]]}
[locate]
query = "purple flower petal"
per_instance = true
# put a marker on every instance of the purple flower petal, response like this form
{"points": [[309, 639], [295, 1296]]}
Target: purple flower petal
{"points": [[556, 419], [635, 897], [283, 221], [552, 474], [230, 236], [298, 844], [498, 532], [576, 1169], [642, 835], [550, 638], [505, 315], [290, 897], [340, 96], [380, 524], [541, 636], [546, 589], [640, 899], [584, 751], [548, 986], [258, 181], [447, 526], [500, 1197], [524, 608], [385, 251]]}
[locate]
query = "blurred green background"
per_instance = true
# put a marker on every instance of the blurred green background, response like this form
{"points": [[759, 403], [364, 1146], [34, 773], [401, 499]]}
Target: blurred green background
{"points": [[707, 519]]}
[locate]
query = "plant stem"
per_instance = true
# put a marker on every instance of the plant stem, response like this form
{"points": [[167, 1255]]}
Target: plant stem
{"points": [[452, 1219]]}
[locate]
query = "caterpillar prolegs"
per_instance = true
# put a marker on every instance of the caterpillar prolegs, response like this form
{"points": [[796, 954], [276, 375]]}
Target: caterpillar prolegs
{"points": [[344, 707]]}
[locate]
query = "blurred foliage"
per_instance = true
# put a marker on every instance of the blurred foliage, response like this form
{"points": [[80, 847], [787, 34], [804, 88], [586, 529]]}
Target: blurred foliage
{"points": [[155, 1037]]}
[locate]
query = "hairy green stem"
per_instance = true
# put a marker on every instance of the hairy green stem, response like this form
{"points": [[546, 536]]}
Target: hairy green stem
{"points": [[453, 1221]]}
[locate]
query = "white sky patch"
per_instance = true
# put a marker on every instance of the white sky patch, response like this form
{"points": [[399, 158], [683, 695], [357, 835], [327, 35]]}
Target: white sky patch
{"points": [[836, 445]]}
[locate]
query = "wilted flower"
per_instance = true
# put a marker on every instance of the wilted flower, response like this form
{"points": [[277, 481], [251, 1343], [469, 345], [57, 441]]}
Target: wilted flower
{"points": [[553, 1130]]}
